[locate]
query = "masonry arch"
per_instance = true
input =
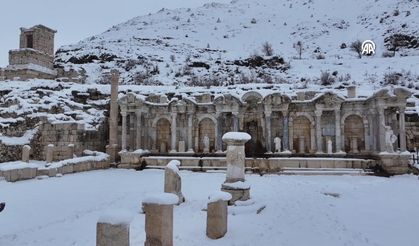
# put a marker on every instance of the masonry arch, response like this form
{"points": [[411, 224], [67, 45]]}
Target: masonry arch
{"points": [[301, 134], [163, 135], [354, 134]]}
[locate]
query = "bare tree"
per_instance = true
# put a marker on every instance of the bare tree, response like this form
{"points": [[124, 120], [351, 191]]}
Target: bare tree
{"points": [[267, 49], [356, 46], [300, 48]]}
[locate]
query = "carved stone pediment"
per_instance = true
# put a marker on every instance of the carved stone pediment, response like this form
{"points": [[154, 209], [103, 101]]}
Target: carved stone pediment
{"points": [[329, 100]]}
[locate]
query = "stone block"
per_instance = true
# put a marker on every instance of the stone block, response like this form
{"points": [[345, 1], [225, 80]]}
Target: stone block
{"points": [[112, 235], [217, 214], [173, 181], [26, 151], [182, 147]]}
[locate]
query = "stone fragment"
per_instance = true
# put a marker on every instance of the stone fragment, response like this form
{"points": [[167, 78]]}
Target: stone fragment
{"points": [[49, 156], [173, 181], [217, 213], [159, 219], [26, 151], [113, 229]]}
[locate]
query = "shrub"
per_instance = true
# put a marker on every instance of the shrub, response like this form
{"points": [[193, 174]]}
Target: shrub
{"points": [[356, 46], [267, 49], [392, 78], [326, 78]]}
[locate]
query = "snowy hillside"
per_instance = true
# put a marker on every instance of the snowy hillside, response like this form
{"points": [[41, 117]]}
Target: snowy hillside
{"points": [[211, 45]]}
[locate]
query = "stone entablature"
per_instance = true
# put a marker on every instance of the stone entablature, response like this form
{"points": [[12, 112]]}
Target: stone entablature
{"points": [[164, 123]]}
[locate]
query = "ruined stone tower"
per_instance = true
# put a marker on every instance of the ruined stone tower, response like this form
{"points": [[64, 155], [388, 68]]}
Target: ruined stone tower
{"points": [[35, 56]]}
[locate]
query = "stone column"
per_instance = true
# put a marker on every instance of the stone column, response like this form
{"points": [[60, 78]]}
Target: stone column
{"points": [[26, 151], [268, 123], [173, 133], [139, 131], [381, 130], [70, 151], [217, 214], [49, 156], [113, 118], [190, 133], [159, 219], [235, 121], [372, 128], [124, 130], [319, 131], [402, 129], [235, 155], [113, 230], [285, 131], [219, 132], [338, 129]]}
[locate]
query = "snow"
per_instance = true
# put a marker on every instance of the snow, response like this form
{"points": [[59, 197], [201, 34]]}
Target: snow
{"points": [[370, 210], [239, 185], [116, 217], [219, 195], [25, 139], [141, 152], [162, 199], [173, 165], [240, 136], [18, 165]]}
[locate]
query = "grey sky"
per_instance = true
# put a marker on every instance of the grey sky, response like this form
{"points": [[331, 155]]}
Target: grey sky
{"points": [[74, 19]]}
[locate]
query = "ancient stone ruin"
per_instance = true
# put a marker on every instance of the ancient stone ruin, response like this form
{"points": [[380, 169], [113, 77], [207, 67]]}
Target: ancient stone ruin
{"points": [[173, 181], [217, 214], [113, 229]]}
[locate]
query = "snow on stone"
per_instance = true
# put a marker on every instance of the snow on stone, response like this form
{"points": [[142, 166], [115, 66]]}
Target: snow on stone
{"points": [[18, 165], [219, 195], [25, 139], [141, 152], [174, 165], [243, 136], [162, 199], [239, 185], [116, 217]]}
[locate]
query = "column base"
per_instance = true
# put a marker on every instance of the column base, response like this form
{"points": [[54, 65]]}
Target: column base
{"points": [[172, 151]]}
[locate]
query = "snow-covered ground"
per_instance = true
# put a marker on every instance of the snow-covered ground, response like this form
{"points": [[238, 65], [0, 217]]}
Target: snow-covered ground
{"points": [[358, 210]]}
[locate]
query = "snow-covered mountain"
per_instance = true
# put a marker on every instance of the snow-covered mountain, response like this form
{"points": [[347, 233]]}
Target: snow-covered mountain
{"points": [[222, 43]]}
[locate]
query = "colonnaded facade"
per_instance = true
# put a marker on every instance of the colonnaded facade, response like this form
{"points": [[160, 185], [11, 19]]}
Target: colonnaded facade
{"points": [[308, 124]]}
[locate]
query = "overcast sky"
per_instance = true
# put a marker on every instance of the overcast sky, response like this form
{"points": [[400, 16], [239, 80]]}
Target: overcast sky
{"points": [[74, 19]]}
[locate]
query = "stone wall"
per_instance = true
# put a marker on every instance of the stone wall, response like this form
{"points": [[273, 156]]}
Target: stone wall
{"points": [[30, 56], [42, 39]]}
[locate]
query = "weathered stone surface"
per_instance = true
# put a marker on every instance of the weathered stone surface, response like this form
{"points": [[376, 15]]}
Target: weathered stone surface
{"points": [[235, 155], [182, 147], [217, 214], [49, 155], [26, 151], [158, 224], [20, 174], [173, 181], [112, 235]]}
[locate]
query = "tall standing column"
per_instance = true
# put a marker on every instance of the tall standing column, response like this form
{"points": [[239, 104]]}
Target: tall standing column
{"points": [[219, 130], [319, 131], [139, 132], [124, 130], [402, 130], [113, 118], [173, 133], [338, 131], [190, 132], [235, 122], [381, 130], [268, 118], [285, 130]]}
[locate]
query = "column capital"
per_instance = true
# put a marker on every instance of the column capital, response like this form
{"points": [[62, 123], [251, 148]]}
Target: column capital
{"points": [[124, 113], [173, 114], [268, 113], [402, 110], [318, 113], [285, 112], [235, 113]]}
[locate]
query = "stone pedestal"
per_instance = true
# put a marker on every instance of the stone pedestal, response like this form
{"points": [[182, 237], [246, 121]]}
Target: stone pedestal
{"points": [[395, 163], [301, 145], [354, 145], [173, 181], [111, 235], [240, 191], [159, 219], [235, 155], [70, 151], [217, 213], [235, 165], [113, 229], [49, 153], [329, 145], [182, 147], [26, 151]]}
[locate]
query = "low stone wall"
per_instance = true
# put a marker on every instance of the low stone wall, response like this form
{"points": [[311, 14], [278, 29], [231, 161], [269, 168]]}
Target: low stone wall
{"points": [[271, 164], [24, 171]]}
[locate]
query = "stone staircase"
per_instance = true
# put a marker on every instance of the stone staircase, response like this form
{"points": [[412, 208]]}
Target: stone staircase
{"points": [[326, 171]]}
